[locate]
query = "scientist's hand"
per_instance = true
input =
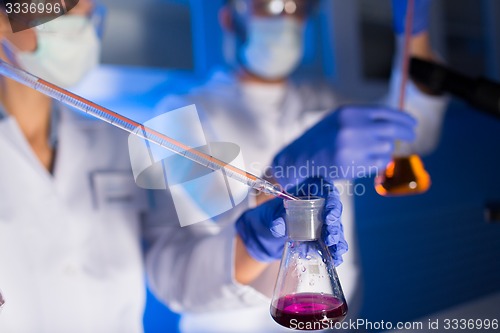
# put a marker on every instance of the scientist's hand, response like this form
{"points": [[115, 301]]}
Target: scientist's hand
{"points": [[420, 15], [352, 142], [263, 229]]}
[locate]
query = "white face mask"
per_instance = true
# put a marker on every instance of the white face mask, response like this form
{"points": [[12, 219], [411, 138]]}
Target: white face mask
{"points": [[66, 53], [274, 47]]}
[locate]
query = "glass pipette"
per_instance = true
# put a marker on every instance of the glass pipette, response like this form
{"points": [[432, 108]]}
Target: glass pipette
{"points": [[140, 130]]}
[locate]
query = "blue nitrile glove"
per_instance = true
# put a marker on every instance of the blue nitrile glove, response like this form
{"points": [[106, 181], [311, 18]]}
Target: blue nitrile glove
{"points": [[420, 15], [262, 229], [352, 142]]}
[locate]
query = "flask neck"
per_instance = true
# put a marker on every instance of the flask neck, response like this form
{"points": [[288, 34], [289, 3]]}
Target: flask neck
{"points": [[403, 149], [304, 218]]}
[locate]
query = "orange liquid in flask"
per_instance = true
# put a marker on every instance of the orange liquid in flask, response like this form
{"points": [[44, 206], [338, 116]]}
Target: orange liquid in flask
{"points": [[403, 176]]}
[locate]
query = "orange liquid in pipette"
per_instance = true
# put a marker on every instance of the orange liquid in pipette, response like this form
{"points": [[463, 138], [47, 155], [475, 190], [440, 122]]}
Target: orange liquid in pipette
{"points": [[403, 176]]}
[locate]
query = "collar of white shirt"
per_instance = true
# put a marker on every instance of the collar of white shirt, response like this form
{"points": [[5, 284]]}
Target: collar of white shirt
{"points": [[54, 122]]}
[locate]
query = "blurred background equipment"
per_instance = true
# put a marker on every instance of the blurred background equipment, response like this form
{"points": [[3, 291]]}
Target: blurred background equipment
{"points": [[480, 92]]}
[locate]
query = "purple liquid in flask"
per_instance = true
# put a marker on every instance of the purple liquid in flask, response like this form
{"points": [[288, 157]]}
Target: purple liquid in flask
{"points": [[302, 310], [307, 295]]}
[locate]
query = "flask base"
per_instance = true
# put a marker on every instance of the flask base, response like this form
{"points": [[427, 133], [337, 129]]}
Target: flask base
{"points": [[309, 311], [403, 176]]}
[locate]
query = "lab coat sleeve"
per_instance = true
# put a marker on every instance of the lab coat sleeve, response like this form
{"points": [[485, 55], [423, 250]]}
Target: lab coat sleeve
{"points": [[193, 272], [428, 110]]}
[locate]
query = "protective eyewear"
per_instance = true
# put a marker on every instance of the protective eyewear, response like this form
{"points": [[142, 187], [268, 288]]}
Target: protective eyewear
{"points": [[270, 8], [40, 23], [94, 18]]}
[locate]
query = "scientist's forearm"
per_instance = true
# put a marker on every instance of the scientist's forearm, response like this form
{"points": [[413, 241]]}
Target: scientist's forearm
{"points": [[246, 268], [420, 46]]}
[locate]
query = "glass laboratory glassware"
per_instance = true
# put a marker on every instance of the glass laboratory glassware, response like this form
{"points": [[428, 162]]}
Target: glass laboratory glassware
{"points": [[404, 175], [307, 294]]}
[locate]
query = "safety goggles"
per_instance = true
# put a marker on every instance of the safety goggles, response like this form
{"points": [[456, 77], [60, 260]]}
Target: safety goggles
{"points": [[95, 18], [270, 8]]}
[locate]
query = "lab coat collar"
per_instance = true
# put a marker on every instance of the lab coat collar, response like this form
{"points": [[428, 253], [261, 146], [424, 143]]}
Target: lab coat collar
{"points": [[226, 90], [12, 134], [54, 122], [28, 173], [223, 75], [292, 102], [227, 75]]}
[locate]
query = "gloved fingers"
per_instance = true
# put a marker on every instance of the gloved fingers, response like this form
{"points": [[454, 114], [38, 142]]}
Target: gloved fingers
{"points": [[393, 131], [368, 165], [380, 162], [354, 115], [363, 166], [333, 207], [380, 148], [337, 251], [337, 260], [362, 150], [332, 235], [354, 136], [278, 227], [380, 154], [361, 115], [333, 200], [340, 248], [385, 114], [333, 215], [361, 153], [334, 229]]}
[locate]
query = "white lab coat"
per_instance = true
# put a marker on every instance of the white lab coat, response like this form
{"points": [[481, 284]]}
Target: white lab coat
{"points": [[262, 120], [70, 256]]}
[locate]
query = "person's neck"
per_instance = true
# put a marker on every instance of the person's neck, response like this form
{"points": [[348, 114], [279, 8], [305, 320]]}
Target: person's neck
{"points": [[245, 76], [30, 108]]}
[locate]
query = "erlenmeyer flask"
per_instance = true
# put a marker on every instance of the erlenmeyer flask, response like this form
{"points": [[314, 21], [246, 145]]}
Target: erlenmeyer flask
{"points": [[404, 175], [307, 294]]}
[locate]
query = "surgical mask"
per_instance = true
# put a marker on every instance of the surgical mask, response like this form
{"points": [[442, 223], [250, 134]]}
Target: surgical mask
{"points": [[65, 53], [274, 47]]}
